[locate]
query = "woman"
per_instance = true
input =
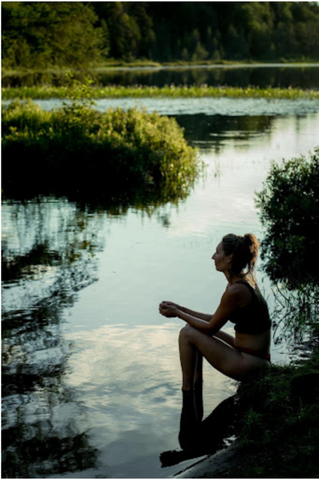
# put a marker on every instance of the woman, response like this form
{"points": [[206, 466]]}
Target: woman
{"points": [[242, 304]]}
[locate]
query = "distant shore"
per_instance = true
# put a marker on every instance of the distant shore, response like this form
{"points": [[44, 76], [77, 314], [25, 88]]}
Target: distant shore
{"points": [[148, 64]]}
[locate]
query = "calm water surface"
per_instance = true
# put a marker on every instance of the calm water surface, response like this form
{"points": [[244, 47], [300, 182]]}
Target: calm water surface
{"points": [[268, 75], [91, 370]]}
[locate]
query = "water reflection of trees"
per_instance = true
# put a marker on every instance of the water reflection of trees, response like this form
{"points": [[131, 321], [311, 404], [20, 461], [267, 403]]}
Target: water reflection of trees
{"points": [[47, 256], [304, 77], [301, 77], [114, 198], [123, 196], [211, 132]]}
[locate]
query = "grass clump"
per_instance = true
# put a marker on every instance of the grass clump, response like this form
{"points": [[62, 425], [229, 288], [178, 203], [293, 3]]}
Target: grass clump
{"points": [[280, 428], [76, 148], [171, 91]]}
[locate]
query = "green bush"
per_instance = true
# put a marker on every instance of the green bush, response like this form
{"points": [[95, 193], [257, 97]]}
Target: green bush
{"points": [[289, 208], [77, 148]]}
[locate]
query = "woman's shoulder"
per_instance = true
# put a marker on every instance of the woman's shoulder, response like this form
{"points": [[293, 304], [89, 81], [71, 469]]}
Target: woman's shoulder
{"points": [[239, 289], [240, 286]]}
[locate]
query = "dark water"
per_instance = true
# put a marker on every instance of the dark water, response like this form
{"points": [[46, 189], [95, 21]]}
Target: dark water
{"points": [[263, 76], [91, 374], [296, 76]]}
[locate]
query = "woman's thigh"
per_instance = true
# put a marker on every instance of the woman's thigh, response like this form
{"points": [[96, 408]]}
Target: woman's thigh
{"points": [[220, 355]]}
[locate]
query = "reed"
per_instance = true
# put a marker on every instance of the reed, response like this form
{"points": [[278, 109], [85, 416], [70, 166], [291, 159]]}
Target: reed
{"points": [[171, 91]]}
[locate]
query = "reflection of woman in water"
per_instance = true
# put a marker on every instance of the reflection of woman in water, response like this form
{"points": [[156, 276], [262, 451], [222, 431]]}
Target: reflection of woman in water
{"points": [[242, 304]]}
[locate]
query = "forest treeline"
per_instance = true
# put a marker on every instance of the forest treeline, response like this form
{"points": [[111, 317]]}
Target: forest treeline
{"points": [[80, 34]]}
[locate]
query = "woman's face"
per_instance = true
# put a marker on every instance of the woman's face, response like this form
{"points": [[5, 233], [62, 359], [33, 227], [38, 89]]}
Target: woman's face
{"points": [[222, 261]]}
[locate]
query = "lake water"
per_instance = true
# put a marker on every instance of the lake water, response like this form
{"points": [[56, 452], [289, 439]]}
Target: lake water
{"points": [[262, 75], [90, 369]]}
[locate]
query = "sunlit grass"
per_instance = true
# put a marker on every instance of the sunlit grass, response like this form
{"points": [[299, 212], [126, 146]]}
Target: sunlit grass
{"points": [[171, 91], [78, 147]]}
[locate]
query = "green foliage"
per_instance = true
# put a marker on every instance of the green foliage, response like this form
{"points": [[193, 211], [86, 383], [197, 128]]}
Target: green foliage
{"points": [[77, 148], [267, 397], [40, 34], [281, 418], [172, 91], [289, 207]]}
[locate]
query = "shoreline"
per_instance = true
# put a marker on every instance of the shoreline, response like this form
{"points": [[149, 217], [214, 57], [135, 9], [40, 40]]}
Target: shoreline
{"points": [[139, 65], [216, 465]]}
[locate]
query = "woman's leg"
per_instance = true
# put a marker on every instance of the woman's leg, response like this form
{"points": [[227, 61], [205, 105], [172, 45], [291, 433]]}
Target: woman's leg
{"points": [[198, 386], [198, 376], [190, 360], [223, 357]]}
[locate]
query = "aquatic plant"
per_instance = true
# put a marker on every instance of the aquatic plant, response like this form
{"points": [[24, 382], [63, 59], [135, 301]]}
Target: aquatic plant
{"points": [[76, 148], [171, 91]]}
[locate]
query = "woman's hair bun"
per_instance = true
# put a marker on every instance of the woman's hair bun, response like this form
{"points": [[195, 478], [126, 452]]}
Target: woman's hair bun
{"points": [[244, 250], [253, 244], [250, 240]]}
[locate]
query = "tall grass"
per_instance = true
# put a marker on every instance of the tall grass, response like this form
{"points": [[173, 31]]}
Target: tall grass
{"points": [[172, 91], [78, 148], [280, 429]]}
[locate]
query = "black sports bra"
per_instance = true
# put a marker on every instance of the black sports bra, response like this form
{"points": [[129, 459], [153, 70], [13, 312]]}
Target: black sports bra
{"points": [[254, 317]]}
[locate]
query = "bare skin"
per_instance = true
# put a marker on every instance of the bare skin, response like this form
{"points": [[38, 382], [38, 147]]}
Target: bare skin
{"points": [[203, 337]]}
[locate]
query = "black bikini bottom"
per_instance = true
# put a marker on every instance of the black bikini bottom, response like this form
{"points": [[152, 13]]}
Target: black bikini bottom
{"points": [[252, 352]]}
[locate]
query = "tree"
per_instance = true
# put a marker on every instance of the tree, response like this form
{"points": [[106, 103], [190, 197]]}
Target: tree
{"points": [[43, 34], [130, 28], [257, 22], [139, 12], [235, 45]]}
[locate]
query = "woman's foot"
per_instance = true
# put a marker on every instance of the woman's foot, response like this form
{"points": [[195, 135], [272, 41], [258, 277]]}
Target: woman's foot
{"points": [[188, 423]]}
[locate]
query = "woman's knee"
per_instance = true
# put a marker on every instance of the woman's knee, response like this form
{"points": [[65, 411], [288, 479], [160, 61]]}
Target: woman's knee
{"points": [[186, 333]]}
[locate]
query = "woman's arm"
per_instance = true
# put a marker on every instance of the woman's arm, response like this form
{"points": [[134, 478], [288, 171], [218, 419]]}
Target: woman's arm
{"points": [[210, 328], [203, 316], [226, 337], [230, 301]]}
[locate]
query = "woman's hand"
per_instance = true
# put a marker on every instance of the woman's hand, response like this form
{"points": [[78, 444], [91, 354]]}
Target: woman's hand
{"points": [[168, 309], [165, 302]]}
